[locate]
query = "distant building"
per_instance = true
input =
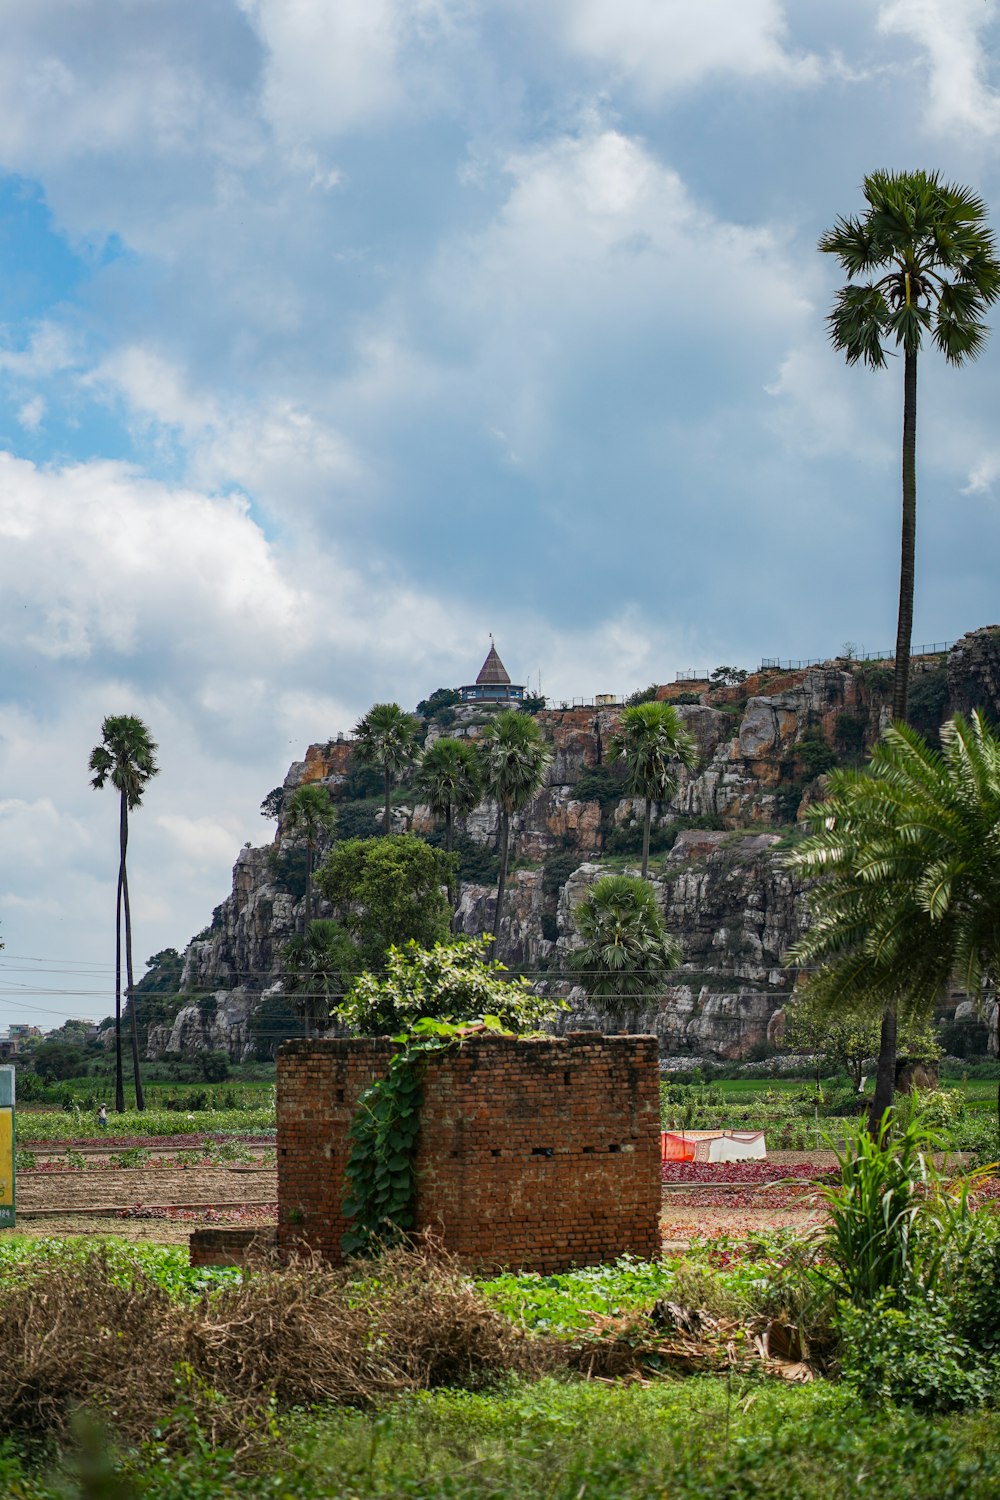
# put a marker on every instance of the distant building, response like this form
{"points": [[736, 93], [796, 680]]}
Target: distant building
{"points": [[493, 685], [13, 1041]]}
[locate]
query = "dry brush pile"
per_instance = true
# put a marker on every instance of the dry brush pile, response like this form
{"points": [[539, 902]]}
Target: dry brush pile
{"points": [[77, 1334]]}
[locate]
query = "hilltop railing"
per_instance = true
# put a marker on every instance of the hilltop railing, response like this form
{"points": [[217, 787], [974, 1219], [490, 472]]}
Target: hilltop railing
{"points": [[779, 664]]}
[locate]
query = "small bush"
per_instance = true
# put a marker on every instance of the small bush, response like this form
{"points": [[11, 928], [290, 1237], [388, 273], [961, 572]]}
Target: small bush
{"points": [[910, 1354]]}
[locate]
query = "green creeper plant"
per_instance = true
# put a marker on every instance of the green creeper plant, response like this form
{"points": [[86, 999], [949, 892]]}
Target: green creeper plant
{"points": [[381, 1174], [437, 997]]}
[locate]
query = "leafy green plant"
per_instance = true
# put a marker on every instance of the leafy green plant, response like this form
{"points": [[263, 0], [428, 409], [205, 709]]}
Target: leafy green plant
{"points": [[456, 981], [893, 1221], [910, 1354], [131, 1158], [25, 1161]]}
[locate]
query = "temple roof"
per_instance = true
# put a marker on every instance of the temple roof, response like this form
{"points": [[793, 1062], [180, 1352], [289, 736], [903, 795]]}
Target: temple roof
{"points": [[493, 671]]}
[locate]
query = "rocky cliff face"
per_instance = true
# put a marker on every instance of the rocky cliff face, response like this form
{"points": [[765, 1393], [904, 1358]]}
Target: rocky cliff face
{"points": [[722, 887]]}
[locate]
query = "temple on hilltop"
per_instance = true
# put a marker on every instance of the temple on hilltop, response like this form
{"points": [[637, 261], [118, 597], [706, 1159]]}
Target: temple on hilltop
{"points": [[493, 685]]}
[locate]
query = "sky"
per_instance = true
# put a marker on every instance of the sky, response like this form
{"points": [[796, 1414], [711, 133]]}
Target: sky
{"points": [[338, 334]]}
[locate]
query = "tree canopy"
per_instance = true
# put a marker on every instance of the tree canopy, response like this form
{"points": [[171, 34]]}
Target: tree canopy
{"points": [[906, 859], [513, 759], [388, 891], [653, 743], [387, 738], [626, 953]]}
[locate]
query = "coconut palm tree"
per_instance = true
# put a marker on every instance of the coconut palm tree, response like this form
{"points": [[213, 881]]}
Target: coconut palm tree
{"points": [[513, 759], [319, 968], [449, 778], [907, 859], [919, 260], [653, 743], [387, 739], [126, 757], [311, 813], [626, 953]]}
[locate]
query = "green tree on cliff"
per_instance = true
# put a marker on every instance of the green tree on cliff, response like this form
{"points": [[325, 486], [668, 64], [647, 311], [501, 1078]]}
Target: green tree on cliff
{"points": [[450, 779], [387, 739], [388, 891], [126, 757], [320, 965], [311, 813], [626, 953], [513, 759], [653, 743], [906, 860]]}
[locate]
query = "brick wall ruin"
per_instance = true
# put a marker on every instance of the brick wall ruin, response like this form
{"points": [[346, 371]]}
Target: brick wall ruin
{"points": [[540, 1153]]}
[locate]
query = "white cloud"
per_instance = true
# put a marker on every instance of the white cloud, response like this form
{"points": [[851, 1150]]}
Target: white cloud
{"points": [[336, 66], [962, 101], [599, 247], [824, 407], [664, 45], [49, 349], [32, 414]]}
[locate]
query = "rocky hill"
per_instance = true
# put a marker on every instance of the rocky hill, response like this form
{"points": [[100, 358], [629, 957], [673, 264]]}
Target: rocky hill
{"points": [[763, 747]]}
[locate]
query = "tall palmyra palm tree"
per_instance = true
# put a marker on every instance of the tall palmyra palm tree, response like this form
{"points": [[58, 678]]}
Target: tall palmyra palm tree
{"points": [[919, 260], [653, 743], [309, 811], [126, 757], [513, 759], [906, 856], [626, 950], [449, 778], [386, 738]]}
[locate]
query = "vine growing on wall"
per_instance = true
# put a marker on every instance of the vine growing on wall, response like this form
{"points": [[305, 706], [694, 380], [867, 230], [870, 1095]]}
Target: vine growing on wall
{"points": [[381, 1176]]}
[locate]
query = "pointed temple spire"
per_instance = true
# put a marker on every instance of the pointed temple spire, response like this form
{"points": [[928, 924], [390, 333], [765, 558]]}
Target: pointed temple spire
{"points": [[493, 685]]}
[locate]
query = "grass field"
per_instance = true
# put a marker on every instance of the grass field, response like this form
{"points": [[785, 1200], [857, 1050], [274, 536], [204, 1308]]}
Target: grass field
{"points": [[734, 1435]]}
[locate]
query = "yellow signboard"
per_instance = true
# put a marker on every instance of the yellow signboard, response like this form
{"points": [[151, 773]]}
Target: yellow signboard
{"points": [[6, 1158], [7, 1191]]}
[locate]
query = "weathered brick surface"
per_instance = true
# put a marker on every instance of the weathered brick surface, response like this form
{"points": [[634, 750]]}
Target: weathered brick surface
{"points": [[540, 1154], [227, 1247]]}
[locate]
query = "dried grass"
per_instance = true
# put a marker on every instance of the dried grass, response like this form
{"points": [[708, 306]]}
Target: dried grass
{"points": [[290, 1335]]}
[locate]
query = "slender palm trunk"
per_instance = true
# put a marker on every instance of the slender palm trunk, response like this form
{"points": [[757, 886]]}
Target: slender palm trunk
{"points": [[449, 847], [502, 882], [140, 1102], [885, 1077], [119, 1076], [904, 621], [140, 1098], [309, 886], [647, 822], [387, 813]]}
